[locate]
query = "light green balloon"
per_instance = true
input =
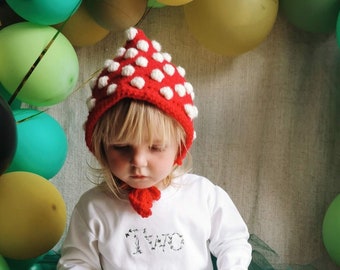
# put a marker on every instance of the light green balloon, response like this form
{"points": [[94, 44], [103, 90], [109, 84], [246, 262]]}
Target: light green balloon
{"points": [[331, 230], [16, 104], [53, 78], [3, 264]]}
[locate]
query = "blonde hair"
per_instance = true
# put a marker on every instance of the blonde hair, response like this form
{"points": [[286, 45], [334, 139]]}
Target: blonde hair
{"points": [[134, 121]]}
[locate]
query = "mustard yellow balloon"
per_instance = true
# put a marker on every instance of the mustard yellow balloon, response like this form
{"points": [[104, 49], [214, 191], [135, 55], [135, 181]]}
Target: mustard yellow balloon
{"points": [[32, 214], [82, 30], [230, 27], [174, 2]]}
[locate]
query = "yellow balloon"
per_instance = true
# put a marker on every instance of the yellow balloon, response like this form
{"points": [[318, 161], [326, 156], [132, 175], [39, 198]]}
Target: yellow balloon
{"points": [[32, 214], [231, 27], [174, 2], [82, 30]]}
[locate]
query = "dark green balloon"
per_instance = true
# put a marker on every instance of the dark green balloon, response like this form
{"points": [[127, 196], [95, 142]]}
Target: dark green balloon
{"points": [[331, 230], [20, 264], [315, 16], [3, 264]]}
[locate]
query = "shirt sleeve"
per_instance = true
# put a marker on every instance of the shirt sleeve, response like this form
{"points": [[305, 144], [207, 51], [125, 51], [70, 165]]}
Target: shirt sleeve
{"points": [[229, 233], [80, 248]]}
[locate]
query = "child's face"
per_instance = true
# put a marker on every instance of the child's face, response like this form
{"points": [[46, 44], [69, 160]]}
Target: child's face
{"points": [[142, 165]]}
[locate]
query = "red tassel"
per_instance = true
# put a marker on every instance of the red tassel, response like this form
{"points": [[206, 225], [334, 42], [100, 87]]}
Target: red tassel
{"points": [[142, 200]]}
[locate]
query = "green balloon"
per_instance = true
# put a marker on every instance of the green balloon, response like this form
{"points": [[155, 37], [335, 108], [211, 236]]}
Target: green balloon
{"points": [[316, 16], [20, 264], [3, 264], [331, 230], [16, 104], [44, 12], [155, 4], [42, 144], [55, 75]]}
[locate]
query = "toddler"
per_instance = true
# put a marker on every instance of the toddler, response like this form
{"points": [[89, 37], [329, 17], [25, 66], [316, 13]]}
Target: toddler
{"points": [[149, 212]]}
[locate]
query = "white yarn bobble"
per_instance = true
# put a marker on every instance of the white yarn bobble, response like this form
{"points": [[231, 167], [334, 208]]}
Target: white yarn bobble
{"points": [[131, 33], [156, 45], [111, 89], [142, 61], [157, 75], [120, 52], [169, 69], [190, 89], [143, 45], [180, 90], [113, 66], [103, 81], [138, 82], [188, 86], [93, 83], [167, 56], [128, 70], [108, 62], [191, 111], [166, 92], [158, 57], [131, 53], [181, 71], [91, 103]]}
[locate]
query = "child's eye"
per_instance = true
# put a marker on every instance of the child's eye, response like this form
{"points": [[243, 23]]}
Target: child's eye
{"points": [[157, 148], [121, 147]]}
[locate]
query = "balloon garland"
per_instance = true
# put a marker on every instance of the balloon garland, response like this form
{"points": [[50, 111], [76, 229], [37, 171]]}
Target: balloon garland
{"points": [[41, 35]]}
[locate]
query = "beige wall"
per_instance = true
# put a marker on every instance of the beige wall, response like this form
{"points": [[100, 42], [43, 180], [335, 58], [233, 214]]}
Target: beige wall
{"points": [[268, 127]]}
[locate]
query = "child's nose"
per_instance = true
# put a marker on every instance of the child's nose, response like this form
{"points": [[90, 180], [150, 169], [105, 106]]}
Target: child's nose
{"points": [[139, 158]]}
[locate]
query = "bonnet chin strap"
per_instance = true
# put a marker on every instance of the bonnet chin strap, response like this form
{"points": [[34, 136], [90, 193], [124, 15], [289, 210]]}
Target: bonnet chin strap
{"points": [[142, 200]]}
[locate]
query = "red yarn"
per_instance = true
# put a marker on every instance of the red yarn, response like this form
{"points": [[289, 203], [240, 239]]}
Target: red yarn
{"points": [[142, 200], [141, 71]]}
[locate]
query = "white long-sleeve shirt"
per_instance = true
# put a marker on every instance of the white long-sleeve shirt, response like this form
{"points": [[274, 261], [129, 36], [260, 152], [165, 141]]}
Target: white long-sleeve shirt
{"points": [[192, 220]]}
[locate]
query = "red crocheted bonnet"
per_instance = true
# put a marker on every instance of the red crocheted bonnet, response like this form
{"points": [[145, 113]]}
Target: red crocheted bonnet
{"points": [[142, 71]]}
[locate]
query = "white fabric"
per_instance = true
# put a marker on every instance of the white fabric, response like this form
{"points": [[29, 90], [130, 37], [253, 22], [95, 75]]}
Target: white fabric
{"points": [[192, 219]]}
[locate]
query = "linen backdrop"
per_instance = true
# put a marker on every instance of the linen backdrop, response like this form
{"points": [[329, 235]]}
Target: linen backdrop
{"points": [[267, 131]]}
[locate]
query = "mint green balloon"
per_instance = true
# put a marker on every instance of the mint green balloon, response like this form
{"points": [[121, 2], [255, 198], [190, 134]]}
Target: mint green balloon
{"points": [[331, 230], [53, 78], [42, 144], [44, 12]]}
